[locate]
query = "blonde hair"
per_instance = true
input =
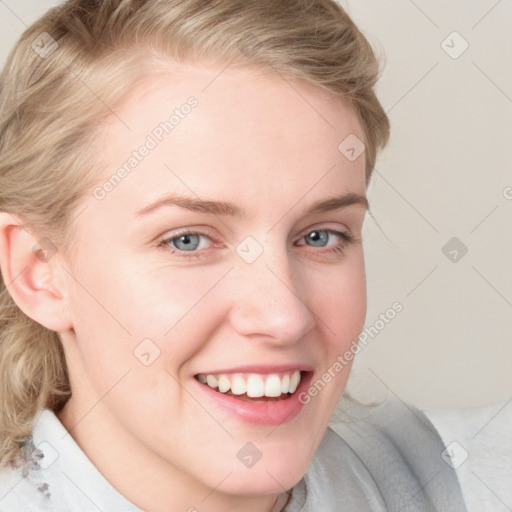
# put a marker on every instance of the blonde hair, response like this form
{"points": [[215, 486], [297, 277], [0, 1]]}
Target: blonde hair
{"points": [[62, 80]]}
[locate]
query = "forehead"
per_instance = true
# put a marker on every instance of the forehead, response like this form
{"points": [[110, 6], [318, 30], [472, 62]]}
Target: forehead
{"points": [[247, 132]]}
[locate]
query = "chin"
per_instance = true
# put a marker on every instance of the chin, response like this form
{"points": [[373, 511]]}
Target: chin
{"points": [[266, 476], [262, 483]]}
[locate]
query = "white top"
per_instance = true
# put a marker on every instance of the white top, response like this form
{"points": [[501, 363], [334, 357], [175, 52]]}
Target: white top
{"points": [[376, 459], [57, 476]]}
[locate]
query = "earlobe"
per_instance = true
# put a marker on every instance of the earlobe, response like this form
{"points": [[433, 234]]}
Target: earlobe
{"points": [[29, 270]]}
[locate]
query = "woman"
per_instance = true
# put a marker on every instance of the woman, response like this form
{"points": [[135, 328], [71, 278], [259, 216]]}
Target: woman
{"points": [[183, 192]]}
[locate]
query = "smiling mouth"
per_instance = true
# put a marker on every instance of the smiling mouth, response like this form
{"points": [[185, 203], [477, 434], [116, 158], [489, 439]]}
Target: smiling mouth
{"points": [[254, 387]]}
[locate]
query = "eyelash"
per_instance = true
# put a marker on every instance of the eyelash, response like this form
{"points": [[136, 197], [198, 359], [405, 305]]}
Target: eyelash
{"points": [[345, 240]]}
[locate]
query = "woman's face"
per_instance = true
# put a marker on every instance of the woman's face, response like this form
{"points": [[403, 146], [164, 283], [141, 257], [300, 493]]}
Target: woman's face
{"points": [[227, 251]]}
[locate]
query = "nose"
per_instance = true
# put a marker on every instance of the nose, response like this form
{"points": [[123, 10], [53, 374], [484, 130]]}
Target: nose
{"points": [[270, 302]]}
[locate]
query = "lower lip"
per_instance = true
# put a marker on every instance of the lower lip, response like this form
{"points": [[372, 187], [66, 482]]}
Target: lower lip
{"points": [[260, 413]]}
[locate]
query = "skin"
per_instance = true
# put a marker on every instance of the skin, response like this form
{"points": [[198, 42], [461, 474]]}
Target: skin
{"points": [[272, 149]]}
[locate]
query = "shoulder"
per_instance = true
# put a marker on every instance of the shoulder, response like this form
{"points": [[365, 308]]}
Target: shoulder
{"points": [[55, 475], [387, 457], [21, 486]]}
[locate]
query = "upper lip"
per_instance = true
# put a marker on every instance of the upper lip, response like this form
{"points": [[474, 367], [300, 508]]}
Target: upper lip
{"points": [[262, 369]]}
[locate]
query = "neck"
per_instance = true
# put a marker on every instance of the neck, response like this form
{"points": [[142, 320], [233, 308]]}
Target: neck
{"points": [[142, 476]]}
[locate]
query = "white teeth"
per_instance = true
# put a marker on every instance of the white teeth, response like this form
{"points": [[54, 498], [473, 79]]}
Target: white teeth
{"points": [[285, 384], [238, 385], [211, 380], [273, 386], [254, 385], [294, 381], [224, 384]]}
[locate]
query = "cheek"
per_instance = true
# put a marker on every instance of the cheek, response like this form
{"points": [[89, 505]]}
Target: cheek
{"points": [[339, 300], [340, 306], [122, 313]]}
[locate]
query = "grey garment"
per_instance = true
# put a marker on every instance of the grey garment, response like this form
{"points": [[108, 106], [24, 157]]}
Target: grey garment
{"points": [[383, 458], [480, 440], [379, 458]]}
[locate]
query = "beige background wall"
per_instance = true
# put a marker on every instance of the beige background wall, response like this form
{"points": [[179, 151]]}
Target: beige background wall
{"points": [[446, 174]]}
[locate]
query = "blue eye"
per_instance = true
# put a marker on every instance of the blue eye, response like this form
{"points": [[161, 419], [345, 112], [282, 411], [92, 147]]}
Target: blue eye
{"points": [[186, 242], [317, 238], [328, 241]]}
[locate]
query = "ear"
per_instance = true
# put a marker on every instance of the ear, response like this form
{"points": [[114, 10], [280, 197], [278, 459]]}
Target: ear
{"points": [[29, 266]]}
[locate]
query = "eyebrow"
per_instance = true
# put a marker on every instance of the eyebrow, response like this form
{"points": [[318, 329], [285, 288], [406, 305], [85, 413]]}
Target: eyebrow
{"points": [[224, 208]]}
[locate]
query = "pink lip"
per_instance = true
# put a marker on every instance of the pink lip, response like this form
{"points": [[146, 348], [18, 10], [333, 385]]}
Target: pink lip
{"points": [[264, 413], [262, 369]]}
